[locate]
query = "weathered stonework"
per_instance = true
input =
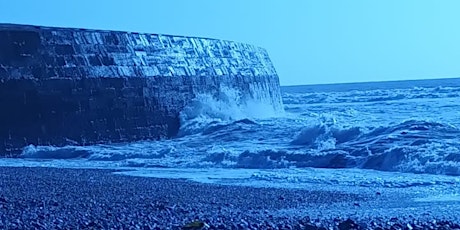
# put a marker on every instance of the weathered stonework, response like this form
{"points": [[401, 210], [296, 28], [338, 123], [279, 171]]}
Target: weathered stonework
{"points": [[63, 86]]}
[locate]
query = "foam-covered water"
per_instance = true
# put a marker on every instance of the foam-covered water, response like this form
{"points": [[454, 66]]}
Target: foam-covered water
{"points": [[408, 127]]}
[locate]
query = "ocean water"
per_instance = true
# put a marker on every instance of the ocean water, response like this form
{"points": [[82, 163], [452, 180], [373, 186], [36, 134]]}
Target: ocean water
{"points": [[367, 131]]}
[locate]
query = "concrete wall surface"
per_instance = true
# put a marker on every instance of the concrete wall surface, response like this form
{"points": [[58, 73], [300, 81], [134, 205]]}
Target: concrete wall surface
{"points": [[61, 86]]}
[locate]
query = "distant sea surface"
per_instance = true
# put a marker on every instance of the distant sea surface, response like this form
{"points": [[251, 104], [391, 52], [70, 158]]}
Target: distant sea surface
{"points": [[405, 127]]}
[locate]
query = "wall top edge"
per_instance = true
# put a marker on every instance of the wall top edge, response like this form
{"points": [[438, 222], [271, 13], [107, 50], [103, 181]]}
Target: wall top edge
{"points": [[38, 28]]}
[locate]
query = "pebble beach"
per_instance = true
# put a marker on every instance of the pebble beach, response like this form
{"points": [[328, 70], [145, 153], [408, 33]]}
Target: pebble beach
{"points": [[56, 198]]}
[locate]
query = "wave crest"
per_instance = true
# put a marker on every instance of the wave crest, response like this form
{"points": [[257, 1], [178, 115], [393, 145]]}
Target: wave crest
{"points": [[375, 95], [415, 146], [229, 105]]}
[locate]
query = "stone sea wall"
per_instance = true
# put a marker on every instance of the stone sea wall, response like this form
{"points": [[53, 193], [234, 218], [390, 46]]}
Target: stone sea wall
{"points": [[61, 86]]}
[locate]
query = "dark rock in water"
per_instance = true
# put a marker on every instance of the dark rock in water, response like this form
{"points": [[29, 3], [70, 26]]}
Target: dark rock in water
{"points": [[61, 86]]}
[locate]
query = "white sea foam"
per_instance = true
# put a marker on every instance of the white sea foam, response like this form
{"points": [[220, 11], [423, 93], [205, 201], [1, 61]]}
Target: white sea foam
{"points": [[228, 106], [232, 130]]}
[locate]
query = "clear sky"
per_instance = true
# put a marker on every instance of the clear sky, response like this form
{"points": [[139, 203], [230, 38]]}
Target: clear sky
{"points": [[309, 41]]}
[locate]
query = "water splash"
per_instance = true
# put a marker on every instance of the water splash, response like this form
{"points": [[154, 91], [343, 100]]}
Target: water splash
{"points": [[418, 133]]}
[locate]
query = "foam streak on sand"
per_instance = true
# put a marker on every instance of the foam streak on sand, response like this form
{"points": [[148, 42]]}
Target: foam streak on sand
{"points": [[91, 198]]}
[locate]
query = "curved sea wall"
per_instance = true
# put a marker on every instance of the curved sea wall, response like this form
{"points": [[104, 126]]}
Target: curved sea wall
{"points": [[61, 86]]}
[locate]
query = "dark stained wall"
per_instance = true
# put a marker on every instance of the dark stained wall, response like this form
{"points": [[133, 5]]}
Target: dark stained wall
{"points": [[62, 86]]}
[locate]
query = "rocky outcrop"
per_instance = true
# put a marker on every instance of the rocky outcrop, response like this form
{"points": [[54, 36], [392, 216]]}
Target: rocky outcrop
{"points": [[62, 86]]}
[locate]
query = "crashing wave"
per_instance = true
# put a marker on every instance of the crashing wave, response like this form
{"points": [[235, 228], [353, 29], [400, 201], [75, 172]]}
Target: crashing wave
{"points": [[229, 130], [228, 106], [411, 146]]}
